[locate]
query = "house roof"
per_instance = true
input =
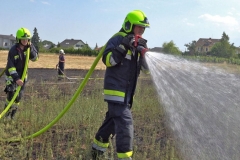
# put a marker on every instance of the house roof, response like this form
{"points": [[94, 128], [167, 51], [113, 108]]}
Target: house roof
{"points": [[98, 48], [69, 42], [157, 49], [47, 46], [206, 41], [11, 37]]}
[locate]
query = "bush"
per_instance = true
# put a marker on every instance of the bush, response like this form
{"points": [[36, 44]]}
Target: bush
{"points": [[83, 51]]}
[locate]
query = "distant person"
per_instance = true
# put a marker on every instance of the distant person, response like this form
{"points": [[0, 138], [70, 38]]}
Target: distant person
{"points": [[15, 65], [123, 56], [61, 64]]}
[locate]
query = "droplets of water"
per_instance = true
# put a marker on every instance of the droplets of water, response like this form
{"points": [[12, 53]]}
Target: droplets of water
{"points": [[202, 105]]}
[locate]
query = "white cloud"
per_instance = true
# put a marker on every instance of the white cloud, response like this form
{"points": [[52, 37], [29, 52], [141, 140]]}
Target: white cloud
{"points": [[185, 20], [44, 2], [190, 24], [227, 20]]}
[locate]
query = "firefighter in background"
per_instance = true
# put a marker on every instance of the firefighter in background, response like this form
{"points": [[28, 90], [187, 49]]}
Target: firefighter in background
{"points": [[124, 57], [15, 66], [61, 64]]}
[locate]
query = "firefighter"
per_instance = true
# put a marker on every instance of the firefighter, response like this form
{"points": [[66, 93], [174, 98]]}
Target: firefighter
{"points": [[61, 64], [15, 66], [124, 57]]}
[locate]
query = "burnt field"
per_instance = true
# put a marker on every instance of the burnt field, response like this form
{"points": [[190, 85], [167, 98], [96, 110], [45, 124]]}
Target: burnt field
{"points": [[71, 137], [37, 76]]}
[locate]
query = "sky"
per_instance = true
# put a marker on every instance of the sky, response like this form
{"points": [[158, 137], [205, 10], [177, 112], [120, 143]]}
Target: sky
{"points": [[95, 21]]}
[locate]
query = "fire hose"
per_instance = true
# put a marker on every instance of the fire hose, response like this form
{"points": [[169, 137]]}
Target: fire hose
{"points": [[67, 107]]}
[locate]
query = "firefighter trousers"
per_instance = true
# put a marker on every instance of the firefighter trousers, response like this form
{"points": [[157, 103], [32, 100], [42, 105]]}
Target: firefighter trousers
{"points": [[118, 120]]}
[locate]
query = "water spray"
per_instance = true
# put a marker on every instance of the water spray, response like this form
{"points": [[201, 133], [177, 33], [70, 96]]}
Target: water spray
{"points": [[202, 106]]}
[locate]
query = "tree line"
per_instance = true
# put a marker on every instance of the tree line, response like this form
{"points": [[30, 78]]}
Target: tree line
{"points": [[85, 51], [222, 49]]}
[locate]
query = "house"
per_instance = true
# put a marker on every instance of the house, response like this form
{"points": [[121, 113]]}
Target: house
{"points": [[69, 43], [6, 41], [157, 49], [204, 45], [48, 46], [238, 50]]}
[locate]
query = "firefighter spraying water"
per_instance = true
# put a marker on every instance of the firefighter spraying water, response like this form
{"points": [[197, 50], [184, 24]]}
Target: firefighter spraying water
{"points": [[124, 57]]}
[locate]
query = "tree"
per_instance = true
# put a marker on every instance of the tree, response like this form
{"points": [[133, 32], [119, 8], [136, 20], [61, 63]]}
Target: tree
{"points": [[96, 47], [224, 37], [35, 39], [223, 48], [191, 47], [170, 48]]}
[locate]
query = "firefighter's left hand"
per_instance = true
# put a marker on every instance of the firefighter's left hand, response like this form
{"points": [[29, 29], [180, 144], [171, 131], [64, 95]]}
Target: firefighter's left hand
{"points": [[142, 42], [142, 50]]}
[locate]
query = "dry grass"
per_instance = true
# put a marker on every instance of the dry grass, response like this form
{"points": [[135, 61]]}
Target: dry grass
{"points": [[50, 61], [231, 68]]}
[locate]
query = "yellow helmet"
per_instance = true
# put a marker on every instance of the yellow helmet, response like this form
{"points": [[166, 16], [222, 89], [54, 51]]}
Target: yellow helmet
{"points": [[23, 33], [135, 17]]}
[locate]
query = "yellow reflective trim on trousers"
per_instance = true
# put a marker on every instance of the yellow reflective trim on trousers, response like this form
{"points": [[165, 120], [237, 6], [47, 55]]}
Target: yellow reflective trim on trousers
{"points": [[101, 144], [108, 64], [12, 69], [34, 59], [114, 93], [125, 155], [8, 82]]}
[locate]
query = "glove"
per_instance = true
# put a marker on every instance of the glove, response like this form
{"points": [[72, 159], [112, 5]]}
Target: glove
{"points": [[121, 50], [142, 50], [142, 42], [142, 45], [128, 41]]}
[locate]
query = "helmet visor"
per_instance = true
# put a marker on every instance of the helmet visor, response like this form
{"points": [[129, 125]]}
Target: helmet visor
{"points": [[144, 23], [25, 36]]}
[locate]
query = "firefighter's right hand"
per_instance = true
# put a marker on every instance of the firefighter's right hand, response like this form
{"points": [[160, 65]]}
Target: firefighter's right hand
{"points": [[128, 41], [19, 82]]}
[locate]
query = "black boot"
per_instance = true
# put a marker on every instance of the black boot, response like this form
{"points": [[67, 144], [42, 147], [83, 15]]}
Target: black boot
{"points": [[14, 110], [96, 154], [11, 112]]}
